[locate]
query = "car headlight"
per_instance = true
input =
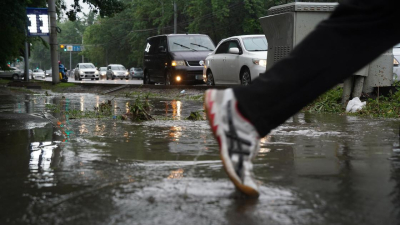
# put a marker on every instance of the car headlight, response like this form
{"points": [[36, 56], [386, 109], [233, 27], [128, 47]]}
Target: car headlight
{"points": [[178, 63], [126, 73], [395, 62], [96, 72], [260, 62], [81, 73]]}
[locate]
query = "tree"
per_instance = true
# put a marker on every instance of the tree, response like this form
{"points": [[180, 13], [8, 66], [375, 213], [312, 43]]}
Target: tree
{"points": [[103, 7], [13, 22], [12, 26]]}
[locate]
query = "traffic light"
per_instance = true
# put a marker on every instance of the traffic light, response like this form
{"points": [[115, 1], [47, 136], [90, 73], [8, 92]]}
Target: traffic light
{"points": [[63, 48]]}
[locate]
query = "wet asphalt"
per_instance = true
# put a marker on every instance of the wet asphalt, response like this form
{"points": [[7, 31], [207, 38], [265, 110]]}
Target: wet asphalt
{"points": [[314, 169]]}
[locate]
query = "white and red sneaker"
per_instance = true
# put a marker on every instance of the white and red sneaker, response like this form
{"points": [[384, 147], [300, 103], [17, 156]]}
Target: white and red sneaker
{"points": [[237, 137]]}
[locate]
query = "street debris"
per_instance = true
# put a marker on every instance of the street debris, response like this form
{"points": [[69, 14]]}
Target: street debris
{"points": [[355, 105]]}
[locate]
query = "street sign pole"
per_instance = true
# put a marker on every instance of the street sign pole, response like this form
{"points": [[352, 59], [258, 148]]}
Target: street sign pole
{"points": [[37, 25], [70, 63]]}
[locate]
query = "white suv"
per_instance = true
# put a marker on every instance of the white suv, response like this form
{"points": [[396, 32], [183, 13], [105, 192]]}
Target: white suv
{"points": [[236, 60], [86, 71]]}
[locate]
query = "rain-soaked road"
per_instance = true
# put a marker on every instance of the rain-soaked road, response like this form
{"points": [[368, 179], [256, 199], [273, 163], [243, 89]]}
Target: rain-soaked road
{"points": [[314, 169]]}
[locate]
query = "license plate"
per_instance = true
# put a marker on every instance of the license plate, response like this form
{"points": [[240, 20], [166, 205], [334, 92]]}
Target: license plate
{"points": [[199, 77]]}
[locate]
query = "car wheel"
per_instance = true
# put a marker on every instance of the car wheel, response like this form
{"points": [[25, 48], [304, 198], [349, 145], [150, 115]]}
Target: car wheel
{"points": [[97, 78], [210, 79], [15, 77], [168, 79], [245, 78]]}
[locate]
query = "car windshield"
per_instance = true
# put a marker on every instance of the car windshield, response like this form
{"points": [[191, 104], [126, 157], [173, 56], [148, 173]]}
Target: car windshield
{"points": [[86, 66], [255, 43], [138, 69], [39, 70], [103, 68], [187, 43], [118, 68], [397, 46]]}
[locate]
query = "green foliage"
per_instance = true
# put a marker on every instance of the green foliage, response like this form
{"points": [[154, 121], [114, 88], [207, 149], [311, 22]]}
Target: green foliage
{"points": [[195, 116], [103, 7], [13, 25], [103, 111], [139, 110], [12, 30], [64, 85], [5, 81], [121, 38], [119, 33], [40, 55], [383, 106], [329, 102]]}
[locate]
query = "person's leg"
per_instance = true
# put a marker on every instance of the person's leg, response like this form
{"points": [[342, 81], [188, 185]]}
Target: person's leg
{"points": [[355, 34]]}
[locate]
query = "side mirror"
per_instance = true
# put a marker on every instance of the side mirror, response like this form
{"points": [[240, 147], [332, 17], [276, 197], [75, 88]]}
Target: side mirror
{"points": [[234, 51], [161, 49]]}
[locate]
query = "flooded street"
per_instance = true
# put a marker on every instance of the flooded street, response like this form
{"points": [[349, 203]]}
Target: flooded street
{"points": [[314, 169]]}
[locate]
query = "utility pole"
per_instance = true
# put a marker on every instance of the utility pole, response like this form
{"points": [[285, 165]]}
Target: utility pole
{"points": [[106, 55], [175, 18], [26, 59], [53, 42]]}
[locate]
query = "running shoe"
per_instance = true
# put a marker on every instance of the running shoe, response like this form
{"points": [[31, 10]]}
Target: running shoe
{"points": [[237, 137]]}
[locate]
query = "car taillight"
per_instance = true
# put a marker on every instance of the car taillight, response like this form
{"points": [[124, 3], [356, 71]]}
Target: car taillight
{"points": [[133, 72]]}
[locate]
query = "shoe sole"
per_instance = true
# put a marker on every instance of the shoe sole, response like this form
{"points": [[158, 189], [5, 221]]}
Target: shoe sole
{"points": [[243, 188]]}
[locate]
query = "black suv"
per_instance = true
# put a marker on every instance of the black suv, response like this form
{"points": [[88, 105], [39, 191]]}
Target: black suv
{"points": [[176, 58]]}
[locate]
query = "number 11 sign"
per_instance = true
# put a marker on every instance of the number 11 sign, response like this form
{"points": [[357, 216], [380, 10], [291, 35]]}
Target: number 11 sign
{"points": [[38, 21]]}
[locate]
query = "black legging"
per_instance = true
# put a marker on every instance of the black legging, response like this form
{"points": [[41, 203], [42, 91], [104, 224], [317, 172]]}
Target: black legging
{"points": [[356, 33]]}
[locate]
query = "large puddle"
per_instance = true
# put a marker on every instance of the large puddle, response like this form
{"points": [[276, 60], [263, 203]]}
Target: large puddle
{"points": [[314, 169]]}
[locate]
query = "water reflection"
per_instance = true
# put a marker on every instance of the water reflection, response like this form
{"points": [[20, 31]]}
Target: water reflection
{"points": [[175, 133], [83, 129], [41, 155], [314, 170], [176, 174], [82, 103], [44, 155], [176, 109]]}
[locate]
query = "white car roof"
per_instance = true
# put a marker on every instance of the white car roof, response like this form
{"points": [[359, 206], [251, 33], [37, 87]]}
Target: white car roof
{"points": [[242, 36], [246, 36]]}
